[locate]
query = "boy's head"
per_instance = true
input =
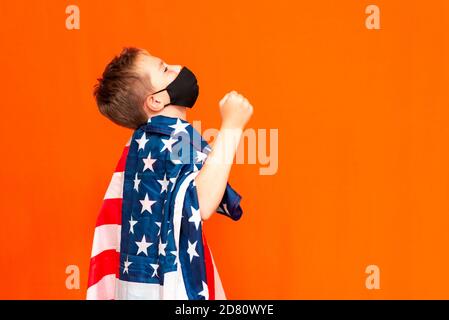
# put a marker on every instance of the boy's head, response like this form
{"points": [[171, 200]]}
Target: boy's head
{"points": [[136, 85]]}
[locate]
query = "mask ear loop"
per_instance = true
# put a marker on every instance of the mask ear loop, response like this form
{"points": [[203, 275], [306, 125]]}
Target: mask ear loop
{"points": [[156, 93]]}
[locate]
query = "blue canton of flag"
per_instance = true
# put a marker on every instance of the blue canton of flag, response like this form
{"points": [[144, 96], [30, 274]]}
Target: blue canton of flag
{"points": [[162, 254]]}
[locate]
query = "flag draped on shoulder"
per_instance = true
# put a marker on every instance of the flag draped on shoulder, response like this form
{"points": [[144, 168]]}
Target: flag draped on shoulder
{"points": [[149, 241]]}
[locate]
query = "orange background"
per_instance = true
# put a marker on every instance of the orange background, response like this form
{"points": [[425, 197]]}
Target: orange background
{"points": [[362, 115]]}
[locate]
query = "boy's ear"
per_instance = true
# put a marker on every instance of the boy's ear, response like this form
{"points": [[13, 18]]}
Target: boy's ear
{"points": [[154, 103]]}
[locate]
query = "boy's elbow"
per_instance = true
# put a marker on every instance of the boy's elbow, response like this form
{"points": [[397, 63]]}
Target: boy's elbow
{"points": [[206, 213]]}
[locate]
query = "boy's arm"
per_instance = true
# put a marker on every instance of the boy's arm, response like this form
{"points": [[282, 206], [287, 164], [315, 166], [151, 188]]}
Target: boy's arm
{"points": [[213, 177]]}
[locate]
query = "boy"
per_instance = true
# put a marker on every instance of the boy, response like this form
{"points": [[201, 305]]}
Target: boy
{"points": [[149, 242]]}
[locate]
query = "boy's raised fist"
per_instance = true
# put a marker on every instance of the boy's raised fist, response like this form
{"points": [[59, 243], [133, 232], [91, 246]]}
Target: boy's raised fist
{"points": [[235, 110]]}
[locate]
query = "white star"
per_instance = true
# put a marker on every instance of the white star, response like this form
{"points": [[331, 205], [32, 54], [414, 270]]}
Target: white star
{"points": [[159, 225], [147, 204], [205, 292], [168, 144], [164, 183], [200, 156], [195, 168], [179, 127], [142, 141], [131, 225], [127, 264], [148, 163], [175, 253], [136, 183], [196, 217], [191, 250], [155, 266], [143, 246], [162, 247]]}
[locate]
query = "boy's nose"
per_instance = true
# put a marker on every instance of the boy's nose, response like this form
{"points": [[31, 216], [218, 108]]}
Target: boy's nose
{"points": [[176, 68]]}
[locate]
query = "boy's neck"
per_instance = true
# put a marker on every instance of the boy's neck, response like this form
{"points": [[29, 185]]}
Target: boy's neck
{"points": [[173, 111]]}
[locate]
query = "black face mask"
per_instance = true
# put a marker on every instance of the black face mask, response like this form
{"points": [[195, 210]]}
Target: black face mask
{"points": [[184, 90]]}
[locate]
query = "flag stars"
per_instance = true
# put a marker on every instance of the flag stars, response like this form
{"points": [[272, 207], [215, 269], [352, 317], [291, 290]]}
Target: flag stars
{"points": [[132, 223], [127, 264], [136, 183], [143, 246], [179, 127], [205, 292], [147, 204], [162, 247], [164, 183], [142, 141], [168, 144], [192, 250], [155, 188], [155, 266], [196, 217], [148, 163]]}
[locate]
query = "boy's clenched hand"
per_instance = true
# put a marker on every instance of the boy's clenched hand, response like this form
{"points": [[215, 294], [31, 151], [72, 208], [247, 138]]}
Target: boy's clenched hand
{"points": [[235, 110]]}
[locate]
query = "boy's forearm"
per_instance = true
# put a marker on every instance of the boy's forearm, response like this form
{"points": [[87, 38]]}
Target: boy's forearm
{"points": [[213, 177]]}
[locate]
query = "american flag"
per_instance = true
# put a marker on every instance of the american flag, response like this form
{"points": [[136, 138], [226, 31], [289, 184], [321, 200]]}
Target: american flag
{"points": [[149, 241]]}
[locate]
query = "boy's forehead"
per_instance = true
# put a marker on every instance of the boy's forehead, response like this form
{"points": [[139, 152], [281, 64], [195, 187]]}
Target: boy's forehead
{"points": [[149, 63], [149, 59]]}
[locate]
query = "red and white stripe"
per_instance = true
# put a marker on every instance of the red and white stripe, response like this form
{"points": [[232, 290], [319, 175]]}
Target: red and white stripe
{"points": [[103, 282]]}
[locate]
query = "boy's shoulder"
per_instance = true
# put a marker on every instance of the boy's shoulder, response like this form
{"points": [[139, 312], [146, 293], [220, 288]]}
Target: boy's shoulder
{"points": [[166, 126], [167, 138]]}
